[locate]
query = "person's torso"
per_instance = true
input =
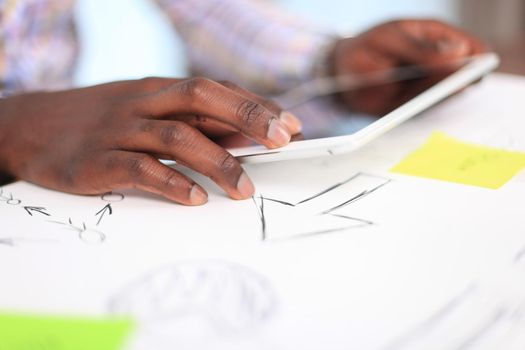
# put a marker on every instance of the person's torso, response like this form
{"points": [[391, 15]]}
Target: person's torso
{"points": [[38, 44]]}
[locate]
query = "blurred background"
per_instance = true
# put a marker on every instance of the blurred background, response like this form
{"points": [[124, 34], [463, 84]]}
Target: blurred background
{"points": [[123, 39]]}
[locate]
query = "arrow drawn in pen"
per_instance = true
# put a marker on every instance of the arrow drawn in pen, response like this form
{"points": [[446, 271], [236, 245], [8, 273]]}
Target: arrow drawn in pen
{"points": [[40, 210], [103, 211]]}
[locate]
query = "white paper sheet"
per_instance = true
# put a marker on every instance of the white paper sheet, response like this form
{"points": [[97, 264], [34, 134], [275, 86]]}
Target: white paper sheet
{"points": [[410, 263]]}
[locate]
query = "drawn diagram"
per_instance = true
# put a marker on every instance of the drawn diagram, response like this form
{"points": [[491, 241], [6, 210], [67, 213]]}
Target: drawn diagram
{"points": [[325, 212], [519, 258], [478, 318], [187, 300], [84, 232], [489, 314], [13, 242]]}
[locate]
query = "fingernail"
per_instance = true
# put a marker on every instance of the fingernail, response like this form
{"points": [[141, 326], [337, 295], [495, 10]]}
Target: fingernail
{"points": [[245, 186], [278, 134], [197, 195], [293, 123]]}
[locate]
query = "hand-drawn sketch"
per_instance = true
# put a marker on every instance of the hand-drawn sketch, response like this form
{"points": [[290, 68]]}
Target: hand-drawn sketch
{"points": [[519, 258], [477, 318], [15, 241], [84, 232], [107, 209], [324, 212], [8, 198], [112, 197], [193, 298]]}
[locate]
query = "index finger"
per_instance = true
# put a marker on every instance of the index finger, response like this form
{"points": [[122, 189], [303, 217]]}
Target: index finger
{"points": [[201, 96]]}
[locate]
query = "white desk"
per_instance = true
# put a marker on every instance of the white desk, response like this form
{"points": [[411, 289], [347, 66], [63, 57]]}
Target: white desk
{"points": [[425, 264]]}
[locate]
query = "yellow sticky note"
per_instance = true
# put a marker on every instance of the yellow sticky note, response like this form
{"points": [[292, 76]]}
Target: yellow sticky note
{"points": [[24, 332], [446, 158]]}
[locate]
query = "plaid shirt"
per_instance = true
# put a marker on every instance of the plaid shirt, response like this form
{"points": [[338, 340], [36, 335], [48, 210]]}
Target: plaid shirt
{"points": [[248, 42]]}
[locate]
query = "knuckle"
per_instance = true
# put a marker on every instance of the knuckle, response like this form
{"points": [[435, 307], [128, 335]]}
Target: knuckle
{"points": [[195, 87], [173, 180], [139, 166], [174, 134], [227, 164], [250, 112]]}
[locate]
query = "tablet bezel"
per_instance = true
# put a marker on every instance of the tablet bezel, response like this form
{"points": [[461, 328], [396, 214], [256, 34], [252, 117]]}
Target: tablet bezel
{"points": [[476, 69]]}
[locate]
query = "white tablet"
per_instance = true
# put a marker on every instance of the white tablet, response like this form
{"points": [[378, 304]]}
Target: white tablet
{"points": [[337, 140]]}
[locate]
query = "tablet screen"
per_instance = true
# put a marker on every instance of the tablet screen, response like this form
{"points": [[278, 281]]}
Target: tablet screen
{"points": [[342, 106]]}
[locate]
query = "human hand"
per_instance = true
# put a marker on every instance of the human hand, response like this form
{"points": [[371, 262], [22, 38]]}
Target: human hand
{"points": [[425, 43], [96, 139]]}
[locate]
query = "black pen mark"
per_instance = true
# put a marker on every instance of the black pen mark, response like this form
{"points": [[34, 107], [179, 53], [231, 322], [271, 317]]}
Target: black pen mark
{"points": [[112, 197], [85, 233], [355, 198], [256, 205], [103, 211], [280, 202], [366, 222], [331, 188], [263, 219], [350, 201], [40, 210]]}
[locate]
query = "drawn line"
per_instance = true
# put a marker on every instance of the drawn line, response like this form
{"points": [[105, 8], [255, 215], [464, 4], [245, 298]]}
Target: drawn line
{"points": [[333, 187], [257, 206], [519, 256], [315, 233], [482, 331], [102, 212], [431, 321], [280, 202], [352, 218], [263, 219], [356, 198], [350, 201]]}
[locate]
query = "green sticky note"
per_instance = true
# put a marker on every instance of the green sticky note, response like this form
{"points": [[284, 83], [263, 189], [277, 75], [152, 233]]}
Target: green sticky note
{"points": [[24, 332], [446, 158]]}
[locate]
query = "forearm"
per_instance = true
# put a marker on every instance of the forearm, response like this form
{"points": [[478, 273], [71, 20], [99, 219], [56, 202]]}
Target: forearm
{"points": [[249, 42]]}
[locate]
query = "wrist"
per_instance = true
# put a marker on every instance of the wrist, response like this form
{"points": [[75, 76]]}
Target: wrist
{"points": [[324, 62], [5, 173]]}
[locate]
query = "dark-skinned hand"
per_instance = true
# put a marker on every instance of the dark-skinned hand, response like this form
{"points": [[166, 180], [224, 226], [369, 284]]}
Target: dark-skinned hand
{"points": [[96, 139], [424, 43]]}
